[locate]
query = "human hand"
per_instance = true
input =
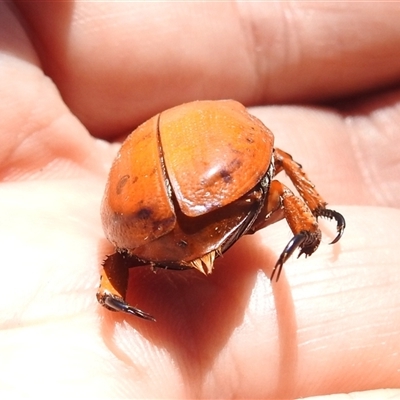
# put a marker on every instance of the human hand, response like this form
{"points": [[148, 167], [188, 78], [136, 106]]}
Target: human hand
{"points": [[330, 324]]}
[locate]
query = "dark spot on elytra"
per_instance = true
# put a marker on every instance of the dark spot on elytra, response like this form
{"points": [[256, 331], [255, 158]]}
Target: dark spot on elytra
{"points": [[144, 213], [225, 175], [121, 183], [249, 139]]}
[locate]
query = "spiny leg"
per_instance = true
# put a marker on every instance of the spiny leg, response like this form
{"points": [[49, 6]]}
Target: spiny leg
{"points": [[114, 282], [306, 189], [302, 222]]}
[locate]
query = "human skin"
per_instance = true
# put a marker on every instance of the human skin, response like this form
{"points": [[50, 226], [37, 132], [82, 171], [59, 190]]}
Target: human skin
{"points": [[75, 77]]}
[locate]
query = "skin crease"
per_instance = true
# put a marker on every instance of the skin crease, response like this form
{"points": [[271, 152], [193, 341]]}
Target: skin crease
{"points": [[329, 326]]}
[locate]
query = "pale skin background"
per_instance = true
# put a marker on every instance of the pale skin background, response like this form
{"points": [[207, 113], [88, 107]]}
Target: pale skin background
{"points": [[75, 77]]}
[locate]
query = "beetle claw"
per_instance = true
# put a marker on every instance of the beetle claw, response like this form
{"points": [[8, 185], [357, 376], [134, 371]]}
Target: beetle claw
{"points": [[308, 243], [332, 214], [117, 304], [296, 241]]}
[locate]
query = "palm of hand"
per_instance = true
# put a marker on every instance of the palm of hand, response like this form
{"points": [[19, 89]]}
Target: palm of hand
{"points": [[340, 307]]}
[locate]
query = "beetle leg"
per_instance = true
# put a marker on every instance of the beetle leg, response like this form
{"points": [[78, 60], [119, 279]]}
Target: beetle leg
{"points": [[301, 220], [306, 189], [113, 285]]}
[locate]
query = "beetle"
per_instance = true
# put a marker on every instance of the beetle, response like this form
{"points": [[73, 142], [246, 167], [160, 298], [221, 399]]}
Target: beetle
{"points": [[188, 183]]}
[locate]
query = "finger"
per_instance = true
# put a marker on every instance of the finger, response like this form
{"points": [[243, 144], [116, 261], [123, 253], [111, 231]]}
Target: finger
{"points": [[329, 326], [382, 394], [345, 302], [117, 64], [39, 135]]}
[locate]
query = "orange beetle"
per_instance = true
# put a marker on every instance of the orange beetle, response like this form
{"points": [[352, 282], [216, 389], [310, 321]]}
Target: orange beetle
{"points": [[188, 183]]}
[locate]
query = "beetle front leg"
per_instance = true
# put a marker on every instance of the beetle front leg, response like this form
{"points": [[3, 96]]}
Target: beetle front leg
{"points": [[114, 282], [302, 222], [306, 189]]}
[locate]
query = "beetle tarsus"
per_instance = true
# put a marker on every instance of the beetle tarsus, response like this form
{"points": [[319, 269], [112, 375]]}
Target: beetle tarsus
{"points": [[117, 304], [340, 221]]}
